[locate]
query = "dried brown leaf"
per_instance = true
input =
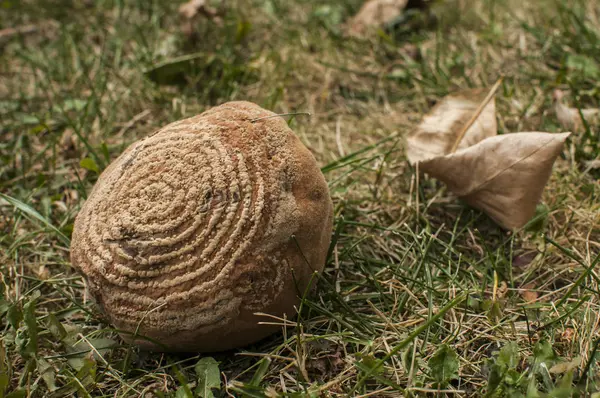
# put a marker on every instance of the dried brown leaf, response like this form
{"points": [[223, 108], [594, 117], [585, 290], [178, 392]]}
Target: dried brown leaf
{"points": [[502, 290], [570, 118], [566, 336], [375, 13], [593, 164], [528, 293], [441, 127], [68, 143], [564, 367], [504, 176], [524, 260], [191, 9], [43, 273]]}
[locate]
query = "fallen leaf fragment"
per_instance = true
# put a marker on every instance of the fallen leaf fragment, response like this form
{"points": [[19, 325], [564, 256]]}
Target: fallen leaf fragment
{"points": [[191, 9], [441, 127], [593, 164], [524, 260], [43, 273], [174, 71], [528, 293], [68, 143], [45, 28], [501, 291], [375, 13], [566, 336], [564, 367], [570, 118], [19, 30], [504, 175]]}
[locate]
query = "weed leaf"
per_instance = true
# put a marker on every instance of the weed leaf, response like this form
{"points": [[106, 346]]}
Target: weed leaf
{"points": [[32, 329], [15, 316], [503, 374], [209, 377], [584, 65], [444, 365], [174, 70], [47, 372], [260, 372], [18, 393], [33, 214], [89, 164], [56, 328], [508, 357]]}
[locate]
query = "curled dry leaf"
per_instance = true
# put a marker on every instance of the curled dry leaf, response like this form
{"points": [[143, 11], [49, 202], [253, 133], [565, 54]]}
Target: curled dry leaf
{"points": [[570, 118], [441, 127], [504, 175], [500, 293], [375, 13]]}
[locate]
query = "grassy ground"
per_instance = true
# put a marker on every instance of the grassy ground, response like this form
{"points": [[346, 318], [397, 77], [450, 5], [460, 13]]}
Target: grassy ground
{"points": [[421, 295]]}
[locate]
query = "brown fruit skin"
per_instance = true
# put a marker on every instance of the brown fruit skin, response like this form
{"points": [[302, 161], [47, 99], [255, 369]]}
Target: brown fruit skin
{"points": [[197, 227]]}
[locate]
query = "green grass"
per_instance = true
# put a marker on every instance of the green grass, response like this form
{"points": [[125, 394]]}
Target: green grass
{"points": [[421, 294]]}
